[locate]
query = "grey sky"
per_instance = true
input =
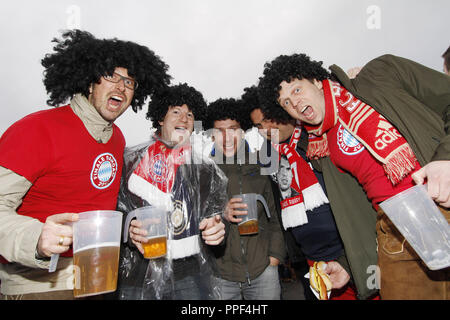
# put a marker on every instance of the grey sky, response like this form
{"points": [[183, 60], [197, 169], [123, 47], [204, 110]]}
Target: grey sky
{"points": [[217, 46]]}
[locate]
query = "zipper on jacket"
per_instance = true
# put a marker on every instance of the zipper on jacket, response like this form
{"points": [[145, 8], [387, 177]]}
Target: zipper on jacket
{"points": [[244, 258], [244, 261]]}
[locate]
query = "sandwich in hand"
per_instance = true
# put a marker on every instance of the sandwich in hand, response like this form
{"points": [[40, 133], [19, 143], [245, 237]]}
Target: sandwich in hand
{"points": [[319, 280]]}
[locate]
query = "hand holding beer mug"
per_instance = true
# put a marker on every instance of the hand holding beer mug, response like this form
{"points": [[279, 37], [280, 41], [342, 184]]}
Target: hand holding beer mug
{"points": [[235, 209], [96, 246], [148, 232], [249, 223], [56, 237]]}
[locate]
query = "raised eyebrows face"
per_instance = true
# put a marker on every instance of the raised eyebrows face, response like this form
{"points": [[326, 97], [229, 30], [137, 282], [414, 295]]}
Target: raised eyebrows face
{"points": [[111, 99], [303, 100]]}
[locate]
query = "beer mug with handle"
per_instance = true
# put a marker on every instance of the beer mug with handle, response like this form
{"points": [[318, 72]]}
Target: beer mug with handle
{"points": [[419, 220], [96, 246], [249, 223], [154, 221]]}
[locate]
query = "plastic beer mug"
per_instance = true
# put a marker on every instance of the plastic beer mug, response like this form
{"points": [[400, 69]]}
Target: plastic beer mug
{"points": [[249, 223], [96, 246], [154, 221]]}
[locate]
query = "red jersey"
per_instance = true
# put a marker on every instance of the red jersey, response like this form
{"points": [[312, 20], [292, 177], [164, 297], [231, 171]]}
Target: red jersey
{"points": [[348, 154], [69, 170]]}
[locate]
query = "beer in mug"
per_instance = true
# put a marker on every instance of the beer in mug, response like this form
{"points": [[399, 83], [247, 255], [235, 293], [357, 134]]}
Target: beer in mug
{"points": [[248, 227], [96, 269], [155, 247]]}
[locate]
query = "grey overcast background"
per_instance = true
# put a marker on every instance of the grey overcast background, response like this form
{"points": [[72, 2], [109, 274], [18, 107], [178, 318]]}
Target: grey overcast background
{"points": [[217, 46]]}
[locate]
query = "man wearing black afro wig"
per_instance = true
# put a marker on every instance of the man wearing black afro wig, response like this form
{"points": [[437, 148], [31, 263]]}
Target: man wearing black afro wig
{"points": [[57, 163], [247, 266], [384, 131], [169, 173]]}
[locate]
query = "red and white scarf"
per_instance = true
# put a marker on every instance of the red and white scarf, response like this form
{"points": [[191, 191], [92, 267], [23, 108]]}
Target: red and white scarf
{"points": [[153, 178], [304, 182], [381, 139]]}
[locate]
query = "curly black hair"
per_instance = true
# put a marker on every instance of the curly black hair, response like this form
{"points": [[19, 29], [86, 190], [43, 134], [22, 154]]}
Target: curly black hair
{"points": [[250, 99], [223, 109], [80, 60], [286, 68], [273, 111], [176, 95]]}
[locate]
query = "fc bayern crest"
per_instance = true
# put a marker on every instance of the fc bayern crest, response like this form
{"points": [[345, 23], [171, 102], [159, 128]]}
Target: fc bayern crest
{"points": [[347, 143], [103, 171], [158, 169]]}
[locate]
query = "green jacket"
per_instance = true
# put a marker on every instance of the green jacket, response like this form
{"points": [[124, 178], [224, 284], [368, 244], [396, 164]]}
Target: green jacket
{"points": [[246, 257], [416, 100]]}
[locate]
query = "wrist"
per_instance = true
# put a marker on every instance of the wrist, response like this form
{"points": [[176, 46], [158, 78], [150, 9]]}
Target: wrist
{"points": [[38, 256]]}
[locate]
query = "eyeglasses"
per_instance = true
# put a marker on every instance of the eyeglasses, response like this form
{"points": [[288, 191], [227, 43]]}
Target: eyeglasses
{"points": [[128, 82]]}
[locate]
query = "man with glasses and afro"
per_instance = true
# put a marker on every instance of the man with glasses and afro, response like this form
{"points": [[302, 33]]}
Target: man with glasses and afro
{"points": [[49, 159]]}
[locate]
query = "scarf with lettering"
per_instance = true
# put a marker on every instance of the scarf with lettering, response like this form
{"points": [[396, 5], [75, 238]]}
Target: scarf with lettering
{"points": [[304, 182], [381, 139]]}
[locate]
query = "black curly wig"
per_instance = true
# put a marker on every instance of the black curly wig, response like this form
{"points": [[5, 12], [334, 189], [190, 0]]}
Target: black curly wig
{"points": [[80, 60], [250, 102], [271, 111], [175, 96], [286, 68], [223, 109]]}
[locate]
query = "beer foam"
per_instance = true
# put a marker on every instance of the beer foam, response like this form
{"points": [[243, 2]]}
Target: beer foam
{"points": [[99, 245]]}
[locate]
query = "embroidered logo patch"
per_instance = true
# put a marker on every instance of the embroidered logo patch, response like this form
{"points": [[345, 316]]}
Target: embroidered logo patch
{"points": [[347, 143], [158, 169], [103, 171], [178, 217]]}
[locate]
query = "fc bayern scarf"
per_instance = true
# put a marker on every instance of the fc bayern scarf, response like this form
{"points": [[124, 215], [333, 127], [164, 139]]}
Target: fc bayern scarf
{"points": [[154, 180], [381, 139], [304, 182]]}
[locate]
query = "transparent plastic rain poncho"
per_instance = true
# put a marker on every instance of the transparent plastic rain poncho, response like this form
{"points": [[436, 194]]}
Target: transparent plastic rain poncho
{"points": [[190, 186]]}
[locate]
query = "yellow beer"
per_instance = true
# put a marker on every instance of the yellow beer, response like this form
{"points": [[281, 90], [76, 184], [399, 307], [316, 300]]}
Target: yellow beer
{"points": [[155, 247], [95, 270], [248, 227]]}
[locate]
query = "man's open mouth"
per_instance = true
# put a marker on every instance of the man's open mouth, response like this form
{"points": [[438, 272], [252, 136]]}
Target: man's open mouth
{"points": [[116, 100]]}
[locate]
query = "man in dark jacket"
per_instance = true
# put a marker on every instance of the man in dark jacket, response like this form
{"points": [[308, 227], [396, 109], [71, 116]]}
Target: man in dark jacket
{"points": [[387, 129], [247, 264]]}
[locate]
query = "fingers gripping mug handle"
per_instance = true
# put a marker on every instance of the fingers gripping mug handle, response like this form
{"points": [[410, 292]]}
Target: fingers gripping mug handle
{"points": [[130, 217], [263, 201]]}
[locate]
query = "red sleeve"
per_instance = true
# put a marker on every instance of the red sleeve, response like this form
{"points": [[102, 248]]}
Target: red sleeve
{"points": [[25, 148]]}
